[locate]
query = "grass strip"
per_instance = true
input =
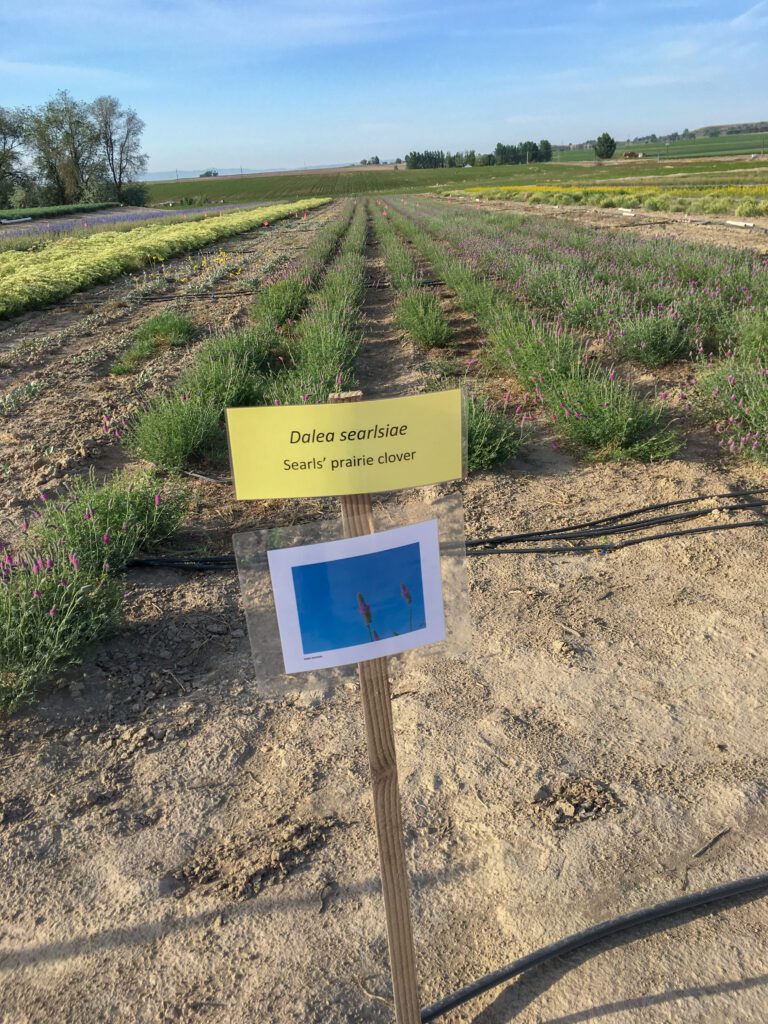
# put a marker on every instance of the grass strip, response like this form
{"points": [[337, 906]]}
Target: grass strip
{"points": [[165, 330]]}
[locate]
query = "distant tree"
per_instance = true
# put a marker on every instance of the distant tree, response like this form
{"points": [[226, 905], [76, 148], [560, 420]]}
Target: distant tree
{"points": [[486, 160], [120, 137], [506, 154], [529, 152], [375, 161], [605, 147], [63, 142], [398, 161], [212, 173], [363, 163], [11, 136], [545, 151]]}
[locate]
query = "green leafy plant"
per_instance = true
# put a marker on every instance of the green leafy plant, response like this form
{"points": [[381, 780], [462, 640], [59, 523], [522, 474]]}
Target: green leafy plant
{"points": [[60, 586], [165, 330], [421, 316]]}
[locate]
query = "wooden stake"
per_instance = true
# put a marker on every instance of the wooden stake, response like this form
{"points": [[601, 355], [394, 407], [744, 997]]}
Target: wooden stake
{"points": [[357, 519]]}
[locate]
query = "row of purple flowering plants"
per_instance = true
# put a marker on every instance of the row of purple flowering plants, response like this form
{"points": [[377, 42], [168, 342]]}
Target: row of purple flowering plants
{"points": [[588, 403], [492, 436], [62, 568], [38, 235], [242, 367], [651, 300]]}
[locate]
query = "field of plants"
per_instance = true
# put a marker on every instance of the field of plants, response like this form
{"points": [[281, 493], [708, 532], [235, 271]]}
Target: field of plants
{"points": [[31, 278], [685, 149], [739, 200], [281, 187], [158, 819]]}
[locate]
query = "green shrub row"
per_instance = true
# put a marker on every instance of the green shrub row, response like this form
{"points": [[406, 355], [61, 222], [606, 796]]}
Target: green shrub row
{"points": [[230, 370], [599, 414], [32, 278], [735, 390], [322, 347], [418, 312]]}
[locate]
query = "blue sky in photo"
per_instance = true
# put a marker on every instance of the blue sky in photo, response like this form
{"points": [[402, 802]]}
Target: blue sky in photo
{"points": [[309, 82], [326, 596]]}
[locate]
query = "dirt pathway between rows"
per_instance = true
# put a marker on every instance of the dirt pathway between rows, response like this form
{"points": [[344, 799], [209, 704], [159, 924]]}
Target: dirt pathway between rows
{"points": [[386, 365], [174, 848]]}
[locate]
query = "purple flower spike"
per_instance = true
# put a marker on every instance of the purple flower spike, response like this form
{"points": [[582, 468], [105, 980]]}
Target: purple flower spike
{"points": [[36, 594], [106, 538], [52, 612], [157, 501]]}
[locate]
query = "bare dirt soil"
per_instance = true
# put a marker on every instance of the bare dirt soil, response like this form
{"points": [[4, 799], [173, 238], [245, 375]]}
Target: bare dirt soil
{"points": [[175, 848], [650, 224]]}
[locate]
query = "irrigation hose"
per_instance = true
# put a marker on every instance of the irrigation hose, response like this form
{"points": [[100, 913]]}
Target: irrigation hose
{"points": [[579, 533], [607, 929], [202, 563], [633, 513]]}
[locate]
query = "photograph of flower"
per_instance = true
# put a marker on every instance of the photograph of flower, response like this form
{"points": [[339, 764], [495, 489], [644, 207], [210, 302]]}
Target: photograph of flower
{"points": [[348, 601], [360, 598]]}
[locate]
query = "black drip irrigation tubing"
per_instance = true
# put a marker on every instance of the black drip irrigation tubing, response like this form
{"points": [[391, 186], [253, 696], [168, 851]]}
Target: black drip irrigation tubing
{"points": [[605, 930], [597, 529]]}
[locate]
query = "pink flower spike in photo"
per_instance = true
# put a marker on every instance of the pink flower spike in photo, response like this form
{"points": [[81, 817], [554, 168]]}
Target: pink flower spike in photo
{"points": [[406, 595], [365, 611]]}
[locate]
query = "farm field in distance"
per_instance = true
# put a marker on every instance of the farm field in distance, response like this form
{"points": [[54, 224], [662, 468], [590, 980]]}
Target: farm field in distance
{"points": [[175, 847], [287, 186]]}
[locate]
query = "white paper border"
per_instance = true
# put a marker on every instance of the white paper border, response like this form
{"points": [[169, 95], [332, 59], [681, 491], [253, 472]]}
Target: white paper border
{"points": [[282, 561]]}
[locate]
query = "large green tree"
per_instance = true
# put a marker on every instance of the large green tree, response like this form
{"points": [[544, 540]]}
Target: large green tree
{"points": [[119, 131], [605, 147], [63, 142]]}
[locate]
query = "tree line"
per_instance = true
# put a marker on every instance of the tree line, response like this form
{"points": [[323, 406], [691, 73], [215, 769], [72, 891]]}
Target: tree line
{"points": [[523, 153], [69, 151]]}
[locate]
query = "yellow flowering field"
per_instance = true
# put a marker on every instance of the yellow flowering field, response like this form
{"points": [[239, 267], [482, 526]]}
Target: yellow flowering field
{"points": [[740, 200], [30, 279]]}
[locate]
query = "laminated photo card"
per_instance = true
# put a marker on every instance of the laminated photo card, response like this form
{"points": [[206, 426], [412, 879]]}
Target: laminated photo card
{"points": [[359, 598]]}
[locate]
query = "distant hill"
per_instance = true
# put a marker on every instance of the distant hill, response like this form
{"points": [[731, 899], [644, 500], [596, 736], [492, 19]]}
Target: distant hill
{"points": [[733, 129]]}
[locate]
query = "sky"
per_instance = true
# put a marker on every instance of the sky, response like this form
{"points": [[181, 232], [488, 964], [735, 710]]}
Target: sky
{"points": [[310, 82], [326, 597]]}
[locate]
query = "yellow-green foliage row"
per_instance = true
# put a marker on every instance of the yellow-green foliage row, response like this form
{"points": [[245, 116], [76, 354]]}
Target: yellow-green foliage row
{"points": [[31, 278]]}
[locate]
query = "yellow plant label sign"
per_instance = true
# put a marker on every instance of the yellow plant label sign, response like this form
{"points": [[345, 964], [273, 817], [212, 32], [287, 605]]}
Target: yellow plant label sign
{"points": [[304, 451]]}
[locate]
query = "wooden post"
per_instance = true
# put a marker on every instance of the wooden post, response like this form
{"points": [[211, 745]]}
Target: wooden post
{"points": [[357, 519]]}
